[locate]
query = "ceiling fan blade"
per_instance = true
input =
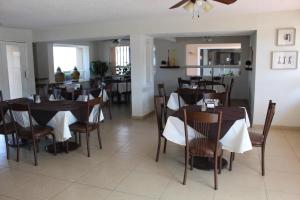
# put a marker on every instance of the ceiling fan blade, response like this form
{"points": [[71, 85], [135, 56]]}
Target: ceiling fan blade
{"points": [[226, 1], [179, 4]]}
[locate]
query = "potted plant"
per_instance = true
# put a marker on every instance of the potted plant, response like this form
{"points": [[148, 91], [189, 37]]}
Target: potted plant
{"points": [[98, 68]]}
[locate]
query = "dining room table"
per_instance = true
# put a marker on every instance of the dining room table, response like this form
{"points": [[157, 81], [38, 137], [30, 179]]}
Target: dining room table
{"points": [[234, 135], [173, 101], [57, 114]]}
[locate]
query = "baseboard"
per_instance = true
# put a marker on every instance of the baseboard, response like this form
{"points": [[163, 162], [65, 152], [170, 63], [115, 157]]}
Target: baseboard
{"points": [[142, 117]]}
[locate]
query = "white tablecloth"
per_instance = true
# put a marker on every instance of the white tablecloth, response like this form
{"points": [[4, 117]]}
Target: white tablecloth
{"points": [[173, 101], [217, 88], [60, 122], [121, 87], [235, 140]]}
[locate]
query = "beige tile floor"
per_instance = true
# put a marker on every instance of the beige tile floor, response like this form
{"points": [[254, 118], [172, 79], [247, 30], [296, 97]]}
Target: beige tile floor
{"points": [[125, 169]]}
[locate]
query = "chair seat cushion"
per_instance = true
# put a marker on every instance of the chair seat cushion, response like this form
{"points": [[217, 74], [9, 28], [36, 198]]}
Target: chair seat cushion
{"points": [[256, 138], [204, 147], [81, 127], [9, 129], [38, 132]]}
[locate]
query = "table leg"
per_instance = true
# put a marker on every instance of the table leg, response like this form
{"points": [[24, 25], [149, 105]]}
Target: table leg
{"points": [[206, 163]]}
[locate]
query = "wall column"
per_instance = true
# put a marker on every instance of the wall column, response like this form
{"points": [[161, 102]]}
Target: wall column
{"points": [[142, 84]]}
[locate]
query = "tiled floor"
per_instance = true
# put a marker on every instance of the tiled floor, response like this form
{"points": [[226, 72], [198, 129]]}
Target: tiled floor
{"points": [[125, 169]]}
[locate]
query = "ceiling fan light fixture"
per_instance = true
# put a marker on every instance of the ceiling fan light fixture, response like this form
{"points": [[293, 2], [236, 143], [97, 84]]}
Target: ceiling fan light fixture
{"points": [[190, 6], [199, 2], [207, 6]]}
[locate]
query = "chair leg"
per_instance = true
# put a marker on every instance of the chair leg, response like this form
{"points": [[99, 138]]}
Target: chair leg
{"points": [[99, 137], [34, 153], [220, 162], [215, 172], [185, 166], [38, 146], [67, 146], [165, 145], [54, 144], [158, 149], [262, 160], [79, 135], [192, 162], [109, 110], [88, 143], [13, 139], [7, 147], [18, 149], [232, 155], [76, 137]]}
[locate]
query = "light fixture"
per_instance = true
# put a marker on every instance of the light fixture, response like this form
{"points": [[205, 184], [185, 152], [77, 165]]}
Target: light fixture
{"points": [[199, 2], [190, 6], [207, 6], [196, 6]]}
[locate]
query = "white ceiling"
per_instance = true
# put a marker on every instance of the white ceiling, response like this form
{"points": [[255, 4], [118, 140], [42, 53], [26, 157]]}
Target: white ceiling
{"points": [[44, 13]]}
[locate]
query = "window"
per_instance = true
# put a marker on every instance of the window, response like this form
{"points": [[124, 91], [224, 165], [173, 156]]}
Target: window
{"points": [[69, 56], [122, 56]]}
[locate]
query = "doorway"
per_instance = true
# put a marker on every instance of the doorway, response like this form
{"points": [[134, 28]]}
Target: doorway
{"points": [[13, 69]]}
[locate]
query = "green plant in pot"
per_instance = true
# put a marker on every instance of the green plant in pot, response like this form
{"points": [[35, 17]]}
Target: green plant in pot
{"points": [[98, 68]]}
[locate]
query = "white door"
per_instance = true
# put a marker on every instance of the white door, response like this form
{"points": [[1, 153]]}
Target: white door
{"points": [[13, 73]]}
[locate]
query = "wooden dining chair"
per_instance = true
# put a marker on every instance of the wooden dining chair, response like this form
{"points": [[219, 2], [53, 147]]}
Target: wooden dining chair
{"points": [[161, 117], [223, 97], [161, 90], [107, 104], [259, 139], [33, 133], [188, 95], [182, 82], [229, 89], [1, 96], [85, 126], [6, 129], [204, 143]]}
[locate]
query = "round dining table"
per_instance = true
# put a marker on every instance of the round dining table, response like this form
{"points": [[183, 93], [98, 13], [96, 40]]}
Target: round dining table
{"points": [[58, 114], [234, 135]]}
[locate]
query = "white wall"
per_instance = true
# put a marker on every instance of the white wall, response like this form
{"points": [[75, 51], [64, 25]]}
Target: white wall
{"points": [[282, 86], [22, 36]]}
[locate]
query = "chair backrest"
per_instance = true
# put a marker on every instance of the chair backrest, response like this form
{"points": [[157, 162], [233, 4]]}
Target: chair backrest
{"points": [[161, 89], [3, 109], [182, 82], [188, 95], [230, 90], [160, 111], [269, 119], [1, 97], [201, 84], [195, 78], [20, 107], [223, 97], [202, 122], [90, 105]]}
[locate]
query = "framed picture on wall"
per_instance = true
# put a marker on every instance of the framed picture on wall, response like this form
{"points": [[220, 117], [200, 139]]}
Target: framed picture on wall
{"points": [[286, 36], [284, 59]]}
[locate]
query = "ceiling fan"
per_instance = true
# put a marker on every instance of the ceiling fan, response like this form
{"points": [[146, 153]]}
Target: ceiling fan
{"points": [[191, 5]]}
